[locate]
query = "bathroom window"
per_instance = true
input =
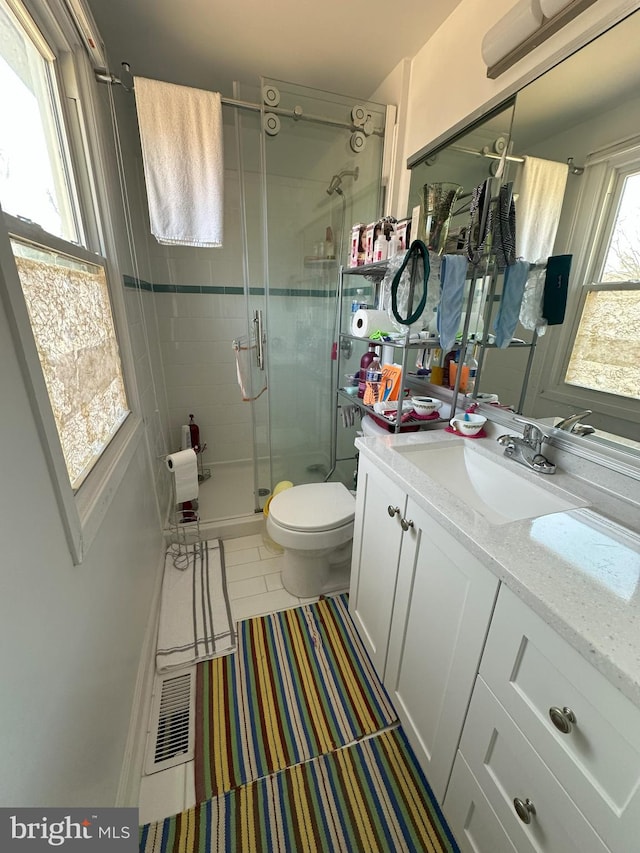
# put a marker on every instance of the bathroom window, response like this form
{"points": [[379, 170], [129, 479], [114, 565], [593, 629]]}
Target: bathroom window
{"points": [[68, 304], [35, 167], [598, 360], [54, 261]]}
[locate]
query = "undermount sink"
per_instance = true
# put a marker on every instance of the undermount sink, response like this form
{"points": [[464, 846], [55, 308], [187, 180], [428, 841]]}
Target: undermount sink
{"points": [[497, 493]]}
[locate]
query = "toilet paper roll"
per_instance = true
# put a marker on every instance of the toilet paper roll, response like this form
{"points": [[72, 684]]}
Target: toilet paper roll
{"points": [[517, 25], [184, 466], [367, 320]]}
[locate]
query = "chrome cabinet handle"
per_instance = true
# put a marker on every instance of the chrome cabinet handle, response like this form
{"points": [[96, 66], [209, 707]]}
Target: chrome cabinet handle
{"points": [[562, 718], [524, 809], [393, 510], [404, 524]]}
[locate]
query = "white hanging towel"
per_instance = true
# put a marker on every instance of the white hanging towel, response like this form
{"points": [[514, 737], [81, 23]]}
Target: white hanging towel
{"points": [[181, 137], [540, 187]]}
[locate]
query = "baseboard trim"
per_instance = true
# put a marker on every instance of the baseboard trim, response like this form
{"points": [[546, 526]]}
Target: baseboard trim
{"points": [[133, 762]]}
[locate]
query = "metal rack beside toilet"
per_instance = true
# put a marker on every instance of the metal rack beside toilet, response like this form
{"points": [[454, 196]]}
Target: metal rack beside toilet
{"points": [[184, 526]]}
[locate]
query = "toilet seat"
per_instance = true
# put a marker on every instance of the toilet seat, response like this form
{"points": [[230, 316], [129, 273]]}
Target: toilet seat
{"points": [[313, 508]]}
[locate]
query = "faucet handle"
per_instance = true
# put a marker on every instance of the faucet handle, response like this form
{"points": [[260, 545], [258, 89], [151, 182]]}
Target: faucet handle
{"points": [[531, 432]]}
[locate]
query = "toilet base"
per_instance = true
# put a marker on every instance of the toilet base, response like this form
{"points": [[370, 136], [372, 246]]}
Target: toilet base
{"points": [[308, 574]]}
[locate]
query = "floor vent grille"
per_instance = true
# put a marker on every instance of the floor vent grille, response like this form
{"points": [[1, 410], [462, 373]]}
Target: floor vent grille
{"points": [[171, 733]]}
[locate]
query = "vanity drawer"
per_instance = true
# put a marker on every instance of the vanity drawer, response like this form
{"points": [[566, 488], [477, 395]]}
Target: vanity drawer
{"points": [[507, 767], [531, 670], [473, 822]]}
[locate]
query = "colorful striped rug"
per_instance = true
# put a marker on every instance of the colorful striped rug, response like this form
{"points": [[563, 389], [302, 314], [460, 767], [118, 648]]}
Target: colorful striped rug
{"points": [[371, 796], [300, 684]]}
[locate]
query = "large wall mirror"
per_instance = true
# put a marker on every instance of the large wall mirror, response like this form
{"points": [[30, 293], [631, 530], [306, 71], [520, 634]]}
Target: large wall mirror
{"points": [[586, 111]]}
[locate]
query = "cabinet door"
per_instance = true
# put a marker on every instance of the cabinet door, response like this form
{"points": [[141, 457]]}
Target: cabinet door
{"points": [[474, 823], [443, 605], [374, 565]]}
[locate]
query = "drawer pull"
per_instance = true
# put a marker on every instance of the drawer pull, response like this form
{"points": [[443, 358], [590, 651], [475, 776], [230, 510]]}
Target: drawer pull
{"points": [[562, 718], [393, 510], [404, 524], [524, 809]]}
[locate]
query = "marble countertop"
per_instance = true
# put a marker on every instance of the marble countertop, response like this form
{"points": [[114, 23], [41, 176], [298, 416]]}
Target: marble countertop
{"points": [[578, 569]]}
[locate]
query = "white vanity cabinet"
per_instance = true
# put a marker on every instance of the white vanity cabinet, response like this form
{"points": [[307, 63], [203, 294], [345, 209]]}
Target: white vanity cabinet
{"points": [[422, 603], [546, 728], [380, 505]]}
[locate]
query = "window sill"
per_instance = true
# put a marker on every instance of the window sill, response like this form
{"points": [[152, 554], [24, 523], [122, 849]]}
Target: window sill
{"points": [[93, 499]]}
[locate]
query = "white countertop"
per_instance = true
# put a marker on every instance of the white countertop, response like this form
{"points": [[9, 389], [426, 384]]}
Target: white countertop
{"points": [[579, 570]]}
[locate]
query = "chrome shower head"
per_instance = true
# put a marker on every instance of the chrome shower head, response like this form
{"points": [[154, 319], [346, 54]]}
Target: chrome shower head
{"points": [[336, 180], [334, 185]]}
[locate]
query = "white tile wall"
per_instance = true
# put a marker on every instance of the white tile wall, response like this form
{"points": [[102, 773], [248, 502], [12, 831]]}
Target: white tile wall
{"points": [[196, 331]]}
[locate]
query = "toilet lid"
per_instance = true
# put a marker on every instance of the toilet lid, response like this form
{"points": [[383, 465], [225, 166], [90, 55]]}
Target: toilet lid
{"points": [[314, 507]]}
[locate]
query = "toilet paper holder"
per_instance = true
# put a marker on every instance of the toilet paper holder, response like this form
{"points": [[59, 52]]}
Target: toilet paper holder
{"points": [[183, 528]]}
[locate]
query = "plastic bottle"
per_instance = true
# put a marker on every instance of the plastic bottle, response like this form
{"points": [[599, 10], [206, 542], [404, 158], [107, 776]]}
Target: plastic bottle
{"points": [[374, 371], [446, 379], [471, 362], [372, 381], [357, 300], [393, 245], [194, 429], [453, 372], [329, 249], [380, 248], [365, 361]]}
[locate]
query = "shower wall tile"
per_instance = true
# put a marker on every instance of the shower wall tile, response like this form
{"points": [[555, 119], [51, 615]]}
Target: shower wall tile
{"points": [[167, 304], [225, 442], [190, 270], [195, 374], [229, 307], [199, 328], [186, 352]]}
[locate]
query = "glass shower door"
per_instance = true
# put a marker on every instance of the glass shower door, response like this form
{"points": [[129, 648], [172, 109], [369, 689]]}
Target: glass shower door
{"points": [[249, 150], [323, 162]]}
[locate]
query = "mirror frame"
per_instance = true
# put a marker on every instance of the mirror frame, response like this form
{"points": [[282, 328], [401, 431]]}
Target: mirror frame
{"points": [[620, 458]]}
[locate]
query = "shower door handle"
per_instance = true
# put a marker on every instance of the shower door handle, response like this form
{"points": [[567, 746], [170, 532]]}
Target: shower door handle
{"points": [[257, 319]]}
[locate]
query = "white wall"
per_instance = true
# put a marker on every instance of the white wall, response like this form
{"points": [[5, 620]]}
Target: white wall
{"points": [[71, 635], [448, 75]]}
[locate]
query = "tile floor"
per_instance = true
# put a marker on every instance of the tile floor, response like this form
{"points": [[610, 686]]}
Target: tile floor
{"points": [[255, 588]]}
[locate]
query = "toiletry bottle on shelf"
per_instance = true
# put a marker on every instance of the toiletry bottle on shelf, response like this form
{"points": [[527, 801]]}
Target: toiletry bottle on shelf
{"points": [[194, 429], [380, 248], [373, 378], [365, 361], [393, 246], [448, 359], [471, 362], [459, 362], [357, 300], [329, 249]]}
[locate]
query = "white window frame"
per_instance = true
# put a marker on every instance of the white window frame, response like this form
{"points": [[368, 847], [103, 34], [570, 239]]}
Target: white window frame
{"points": [[81, 512], [589, 234]]}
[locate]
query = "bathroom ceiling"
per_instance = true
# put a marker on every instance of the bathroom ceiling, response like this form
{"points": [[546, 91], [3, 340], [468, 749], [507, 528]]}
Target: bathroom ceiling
{"points": [[345, 47]]}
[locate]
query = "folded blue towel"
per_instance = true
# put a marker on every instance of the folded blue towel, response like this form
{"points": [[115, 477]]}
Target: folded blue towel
{"points": [[515, 278], [453, 273]]}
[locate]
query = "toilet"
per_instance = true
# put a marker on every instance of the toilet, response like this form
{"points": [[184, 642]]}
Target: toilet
{"points": [[314, 525]]}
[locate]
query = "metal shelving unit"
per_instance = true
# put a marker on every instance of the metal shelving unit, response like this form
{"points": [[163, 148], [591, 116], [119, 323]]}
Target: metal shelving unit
{"points": [[375, 273]]}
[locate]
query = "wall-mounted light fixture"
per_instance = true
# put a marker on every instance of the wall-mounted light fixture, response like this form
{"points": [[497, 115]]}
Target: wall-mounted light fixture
{"points": [[523, 28]]}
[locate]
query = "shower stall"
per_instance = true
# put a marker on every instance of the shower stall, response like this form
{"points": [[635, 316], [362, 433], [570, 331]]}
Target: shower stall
{"points": [[301, 166]]}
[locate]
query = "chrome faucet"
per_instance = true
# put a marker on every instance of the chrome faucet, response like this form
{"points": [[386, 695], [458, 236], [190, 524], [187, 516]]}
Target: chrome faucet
{"points": [[527, 449], [572, 423]]}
